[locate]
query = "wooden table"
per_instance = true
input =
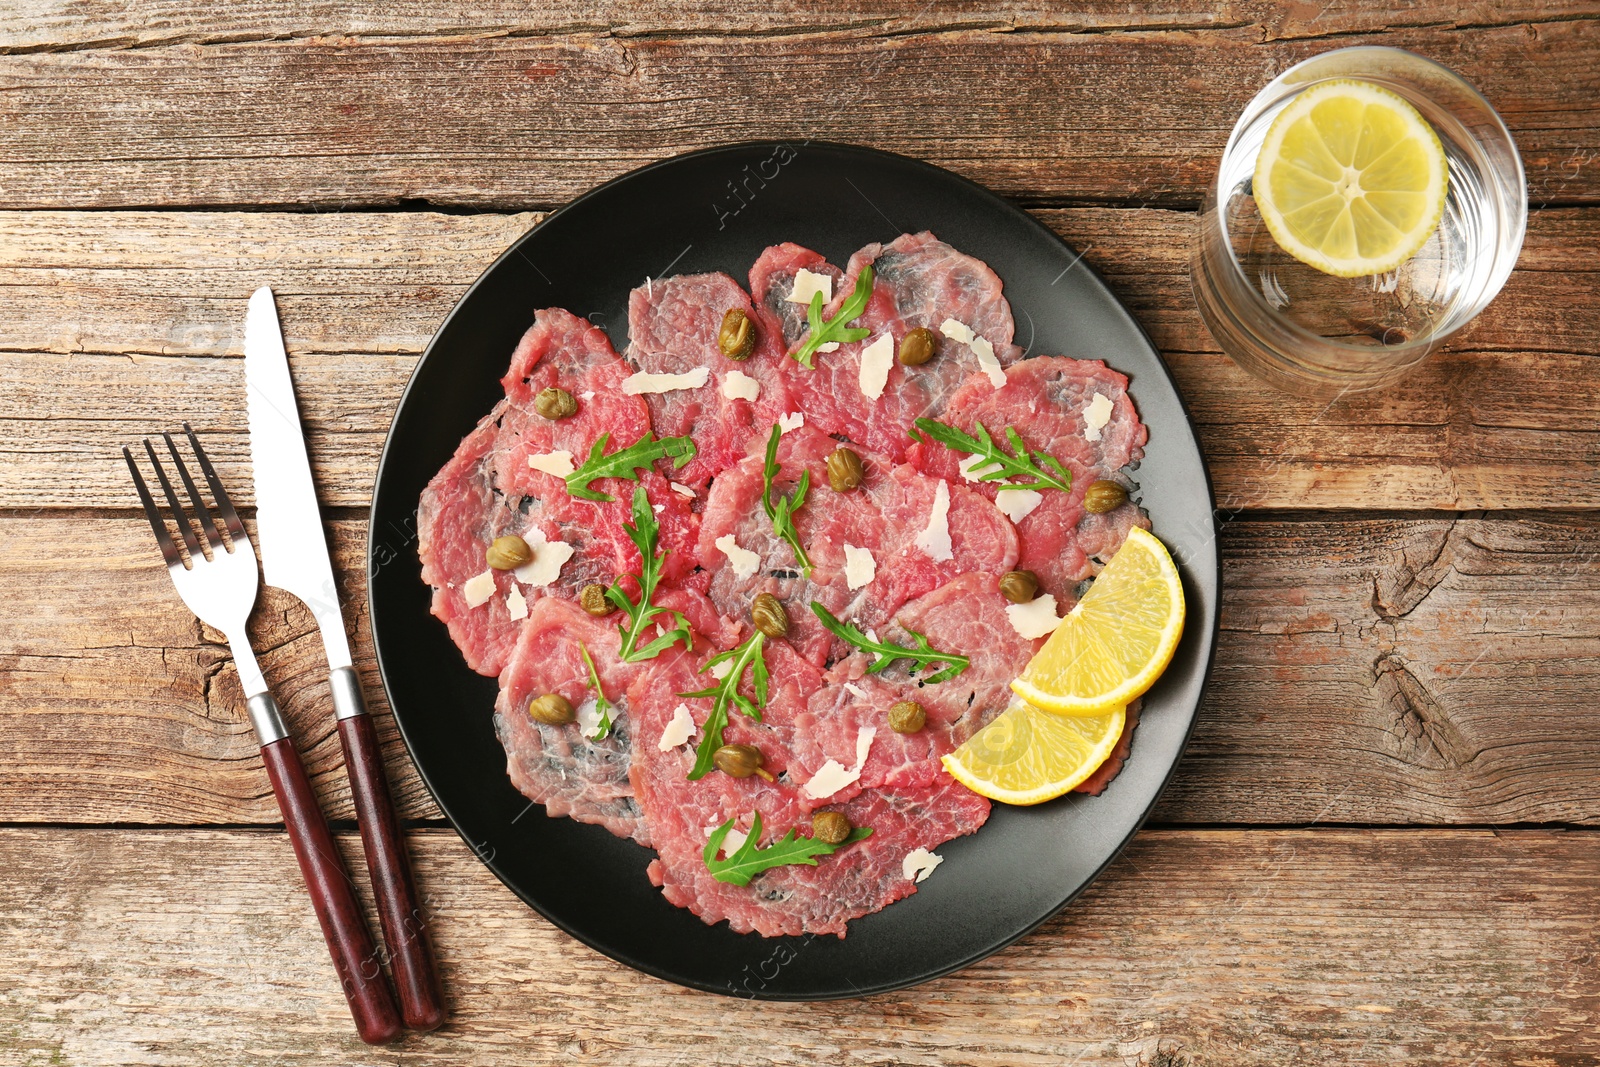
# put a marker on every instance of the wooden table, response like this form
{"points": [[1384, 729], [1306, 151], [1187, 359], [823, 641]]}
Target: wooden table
{"points": [[1384, 843]]}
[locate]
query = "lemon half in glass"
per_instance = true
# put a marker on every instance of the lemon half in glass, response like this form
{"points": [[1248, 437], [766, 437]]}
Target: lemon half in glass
{"points": [[1351, 179]]}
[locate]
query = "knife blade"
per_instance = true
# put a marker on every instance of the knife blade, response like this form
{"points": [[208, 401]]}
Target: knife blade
{"points": [[294, 552]]}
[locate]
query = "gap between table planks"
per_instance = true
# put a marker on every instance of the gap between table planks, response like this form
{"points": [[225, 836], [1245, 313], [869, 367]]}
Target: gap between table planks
{"points": [[1195, 947], [463, 118], [99, 308], [1369, 671]]}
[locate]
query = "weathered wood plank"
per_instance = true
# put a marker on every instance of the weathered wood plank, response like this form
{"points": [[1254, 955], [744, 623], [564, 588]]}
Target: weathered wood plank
{"points": [[54, 25], [92, 305], [1364, 674], [515, 121], [1441, 947], [169, 283]]}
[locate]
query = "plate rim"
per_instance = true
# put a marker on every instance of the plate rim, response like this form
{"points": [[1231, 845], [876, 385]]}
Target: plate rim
{"points": [[996, 202]]}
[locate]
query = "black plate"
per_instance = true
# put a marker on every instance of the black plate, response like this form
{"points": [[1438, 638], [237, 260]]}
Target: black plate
{"points": [[716, 210]]}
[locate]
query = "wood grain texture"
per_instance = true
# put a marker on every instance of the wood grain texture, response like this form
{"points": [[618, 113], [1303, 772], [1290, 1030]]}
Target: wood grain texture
{"points": [[106, 318], [1196, 947], [1367, 673], [56, 25], [485, 119]]}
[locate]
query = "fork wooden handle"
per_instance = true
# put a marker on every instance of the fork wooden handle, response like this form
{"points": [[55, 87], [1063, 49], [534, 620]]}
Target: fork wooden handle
{"points": [[343, 926], [405, 924]]}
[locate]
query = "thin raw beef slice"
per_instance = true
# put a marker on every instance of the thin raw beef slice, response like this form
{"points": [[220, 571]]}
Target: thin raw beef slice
{"points": [[919, 281], [673, 325]]}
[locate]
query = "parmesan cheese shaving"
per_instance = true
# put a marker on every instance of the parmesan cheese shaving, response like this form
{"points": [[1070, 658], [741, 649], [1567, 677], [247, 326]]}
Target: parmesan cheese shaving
{"points": [[1035, 618], [832, 775], [478, 589], [558, 464], [737, 385], [744, 562], [829, 779], [807, 283], [969, 467], [864, 738], [792, 421], [721, 670], [828, 346], [516, 603], [734, 841], [681, 490], [548, 559], [957, 331], [855, 690], [935, 540], [1095, 417], [876, 359], [988, 362], [919, 863], [642, 382], [678, 730], [859, 566], [589, 718], [1018, 504]]}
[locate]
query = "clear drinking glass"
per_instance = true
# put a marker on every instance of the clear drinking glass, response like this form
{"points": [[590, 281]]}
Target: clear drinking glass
{"points": [[1309, 332]]}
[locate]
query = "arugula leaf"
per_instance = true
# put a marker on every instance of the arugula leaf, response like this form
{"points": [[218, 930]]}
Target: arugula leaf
{"points": [[601, 704], [750, 860], [1026, 463], [836, 328], [781, 511], [921, 656], [644, 533], [747, 655], [625, 463]]}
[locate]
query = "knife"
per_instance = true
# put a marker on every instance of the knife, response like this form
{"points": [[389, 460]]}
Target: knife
{"points": [[294, 557]]}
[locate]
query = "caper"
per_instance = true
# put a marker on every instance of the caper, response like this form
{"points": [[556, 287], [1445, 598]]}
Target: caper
{"points": [[766, 611], [845, 471], [1104, 496], [593, 600], [737, 335], [555, 403], [918, 346], [552, 709], [830, 826], [739, 761], [508, 553], [1019, 587], [907, 717]]}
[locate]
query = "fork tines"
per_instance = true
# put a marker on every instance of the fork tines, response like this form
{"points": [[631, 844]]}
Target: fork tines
{"points": [[218, 536]]}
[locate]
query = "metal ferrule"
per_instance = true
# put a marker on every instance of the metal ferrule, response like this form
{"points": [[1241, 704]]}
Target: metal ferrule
{"points": [[347, 699], [267, 719]]}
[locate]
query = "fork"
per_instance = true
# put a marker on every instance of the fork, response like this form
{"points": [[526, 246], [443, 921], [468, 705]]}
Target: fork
{"points": [[217, 578]]}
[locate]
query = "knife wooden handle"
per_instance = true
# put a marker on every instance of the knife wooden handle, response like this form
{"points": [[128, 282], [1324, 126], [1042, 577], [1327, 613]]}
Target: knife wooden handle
{"points": [[405, 923], [343, 927]]}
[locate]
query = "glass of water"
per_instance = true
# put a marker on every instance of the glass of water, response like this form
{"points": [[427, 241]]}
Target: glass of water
{"points": [[1313, 333]]}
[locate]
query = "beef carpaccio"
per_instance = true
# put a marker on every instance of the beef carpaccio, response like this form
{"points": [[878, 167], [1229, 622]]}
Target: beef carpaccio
{"points": [[599, 540]]}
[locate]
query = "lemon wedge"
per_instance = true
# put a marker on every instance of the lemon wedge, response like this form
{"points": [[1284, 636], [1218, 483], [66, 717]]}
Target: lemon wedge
{"points": [[1116, 642], [1028, 756], [1351, 179]]}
